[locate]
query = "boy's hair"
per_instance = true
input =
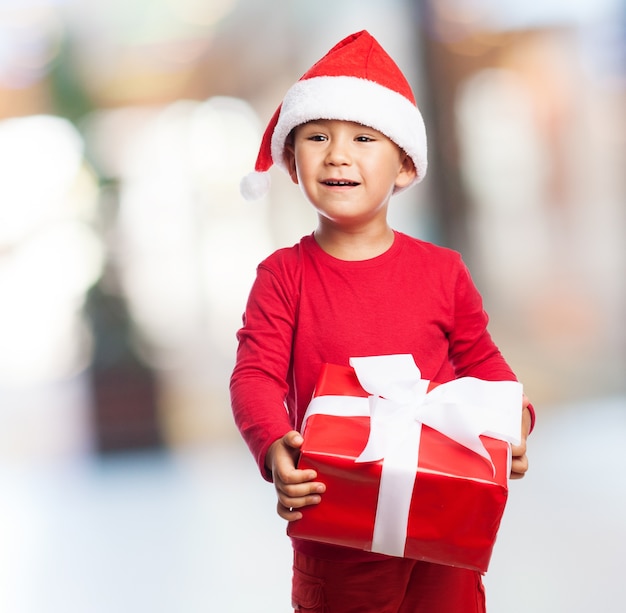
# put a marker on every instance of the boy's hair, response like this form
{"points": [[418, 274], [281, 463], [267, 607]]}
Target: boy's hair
{"points": [[355, 81]]}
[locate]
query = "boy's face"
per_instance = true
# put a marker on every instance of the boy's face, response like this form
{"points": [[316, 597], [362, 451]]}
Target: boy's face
{"points": [[346, 170]]}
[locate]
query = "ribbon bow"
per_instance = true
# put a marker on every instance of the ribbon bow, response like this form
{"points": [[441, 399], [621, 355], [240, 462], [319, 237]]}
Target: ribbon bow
{"points": [[462, 409]]}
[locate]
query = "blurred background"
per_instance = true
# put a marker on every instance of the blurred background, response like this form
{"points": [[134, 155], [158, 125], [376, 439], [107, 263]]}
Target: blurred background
{"points": [[126, 255]]}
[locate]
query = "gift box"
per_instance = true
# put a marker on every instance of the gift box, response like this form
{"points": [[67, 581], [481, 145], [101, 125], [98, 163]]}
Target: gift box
{"points": [[412, 468]]}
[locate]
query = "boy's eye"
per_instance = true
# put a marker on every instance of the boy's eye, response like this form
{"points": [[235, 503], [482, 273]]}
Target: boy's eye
{"points": [[364, 139], [316, 137]]}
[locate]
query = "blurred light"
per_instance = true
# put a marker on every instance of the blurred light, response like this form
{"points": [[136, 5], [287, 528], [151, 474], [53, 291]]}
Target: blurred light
{"points": [[223, 137], [42, 286], [181, 52], [501, 156], [50, 257], [145, 24], [30, 38], [505, 164], [112, 136], [507, 14], [41, 160], [188, 243], [454, 17], [142, 52], [201, 12]]}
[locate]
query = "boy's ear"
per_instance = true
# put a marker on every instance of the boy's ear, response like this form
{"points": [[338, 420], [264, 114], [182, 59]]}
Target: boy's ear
{"points": [[290, 160], [407, 172]]}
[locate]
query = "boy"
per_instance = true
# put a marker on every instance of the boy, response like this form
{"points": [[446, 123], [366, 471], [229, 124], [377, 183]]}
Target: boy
{"points": [[350, 135]]}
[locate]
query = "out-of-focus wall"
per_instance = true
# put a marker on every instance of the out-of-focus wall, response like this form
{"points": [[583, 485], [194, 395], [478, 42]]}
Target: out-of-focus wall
{"points": [[540, 129]]}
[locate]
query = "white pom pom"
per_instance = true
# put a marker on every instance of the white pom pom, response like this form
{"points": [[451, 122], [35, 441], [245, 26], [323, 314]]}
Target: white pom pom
{"points": [[255, 185]]}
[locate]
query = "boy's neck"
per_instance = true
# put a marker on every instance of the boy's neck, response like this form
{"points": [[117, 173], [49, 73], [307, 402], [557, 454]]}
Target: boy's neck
{"points": [[354, 245]]}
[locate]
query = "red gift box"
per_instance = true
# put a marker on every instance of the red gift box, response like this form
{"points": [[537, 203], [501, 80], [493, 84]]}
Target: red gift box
{"points": [[454, 497]]}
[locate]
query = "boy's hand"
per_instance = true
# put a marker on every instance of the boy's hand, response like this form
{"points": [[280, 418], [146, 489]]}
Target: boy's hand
{"points": [[295, 488], [519, 465]]}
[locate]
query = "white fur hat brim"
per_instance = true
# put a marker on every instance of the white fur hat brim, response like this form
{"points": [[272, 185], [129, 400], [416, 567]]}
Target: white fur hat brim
{"points": [[358, 100]]}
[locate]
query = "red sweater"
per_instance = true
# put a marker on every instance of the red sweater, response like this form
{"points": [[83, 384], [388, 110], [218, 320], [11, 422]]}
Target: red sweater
{"points": [[307, 307]]}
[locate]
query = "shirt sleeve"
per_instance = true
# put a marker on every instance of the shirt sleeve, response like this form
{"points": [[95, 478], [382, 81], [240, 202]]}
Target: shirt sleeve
{"points": [[258, 384]]}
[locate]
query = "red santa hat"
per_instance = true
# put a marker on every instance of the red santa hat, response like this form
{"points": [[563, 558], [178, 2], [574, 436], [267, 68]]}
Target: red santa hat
{"points": [[355, 81]]}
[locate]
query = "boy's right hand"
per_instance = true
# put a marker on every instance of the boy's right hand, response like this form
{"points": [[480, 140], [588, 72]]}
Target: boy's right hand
{"points": [[295, 488]]}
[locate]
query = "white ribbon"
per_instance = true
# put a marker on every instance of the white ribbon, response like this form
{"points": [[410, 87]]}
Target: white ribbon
{"points": [[398, 405]]}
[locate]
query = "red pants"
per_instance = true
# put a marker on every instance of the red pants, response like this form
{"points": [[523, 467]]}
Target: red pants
{"points": [[391, 585]]}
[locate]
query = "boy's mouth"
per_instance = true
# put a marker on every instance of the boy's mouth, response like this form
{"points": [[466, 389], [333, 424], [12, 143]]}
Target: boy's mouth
{"points": [[340, 183]]}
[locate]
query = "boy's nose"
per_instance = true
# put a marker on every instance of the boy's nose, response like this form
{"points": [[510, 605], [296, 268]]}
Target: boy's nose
{"points": [[337, 152]]}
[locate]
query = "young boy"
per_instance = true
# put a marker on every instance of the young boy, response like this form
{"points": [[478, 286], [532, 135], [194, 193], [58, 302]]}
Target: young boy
{"points": [[350, 135]]}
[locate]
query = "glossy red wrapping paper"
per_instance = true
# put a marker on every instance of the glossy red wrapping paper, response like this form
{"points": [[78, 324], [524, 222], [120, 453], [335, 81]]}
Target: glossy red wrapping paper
{"points": [[456, 504]]}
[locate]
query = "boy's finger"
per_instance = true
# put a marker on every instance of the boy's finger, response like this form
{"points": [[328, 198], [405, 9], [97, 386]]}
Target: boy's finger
{"points": [[288, 513], [519, 467], [293, 439], [518, 450], [299, 490], [294, 476], [298, 502], [290, 505]]}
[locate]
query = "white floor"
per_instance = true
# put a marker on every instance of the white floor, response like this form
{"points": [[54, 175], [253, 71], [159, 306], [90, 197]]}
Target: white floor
{"points": [[196, 531]]}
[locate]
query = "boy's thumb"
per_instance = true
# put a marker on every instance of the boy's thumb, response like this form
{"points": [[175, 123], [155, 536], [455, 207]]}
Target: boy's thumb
{"points": [[294, 439]]}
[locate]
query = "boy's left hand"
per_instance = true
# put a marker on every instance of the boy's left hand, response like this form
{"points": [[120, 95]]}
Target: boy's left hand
{"points": [[519, 466]]}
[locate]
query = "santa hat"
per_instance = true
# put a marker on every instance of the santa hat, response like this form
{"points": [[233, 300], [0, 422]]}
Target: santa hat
{"points": [[355, 81]]}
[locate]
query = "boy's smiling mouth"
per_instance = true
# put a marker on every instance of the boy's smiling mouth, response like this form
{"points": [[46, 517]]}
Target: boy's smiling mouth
{"points": [[340, 183]]}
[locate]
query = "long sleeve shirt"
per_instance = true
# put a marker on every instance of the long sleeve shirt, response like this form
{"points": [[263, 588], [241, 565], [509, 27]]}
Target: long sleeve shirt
{"points": [[307, 308]]}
